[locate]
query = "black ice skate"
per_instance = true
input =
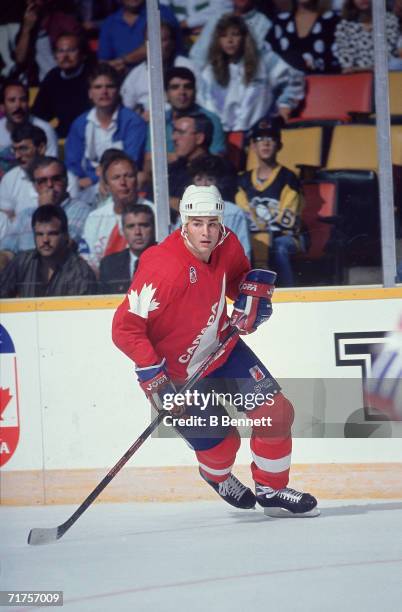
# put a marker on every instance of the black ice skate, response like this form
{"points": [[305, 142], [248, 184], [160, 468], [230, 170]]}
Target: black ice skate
{"points": [[286, 503], [233, 492]]}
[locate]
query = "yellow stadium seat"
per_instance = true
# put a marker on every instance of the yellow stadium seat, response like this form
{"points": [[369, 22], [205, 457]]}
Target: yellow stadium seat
{"points": [[33, 92], [300, 147], [396, 140], [61, 143], [395, 93], [354, 147]]}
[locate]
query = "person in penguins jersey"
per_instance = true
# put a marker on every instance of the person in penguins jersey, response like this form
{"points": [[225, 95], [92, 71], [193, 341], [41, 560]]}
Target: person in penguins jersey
{"points": [[174, 316]]}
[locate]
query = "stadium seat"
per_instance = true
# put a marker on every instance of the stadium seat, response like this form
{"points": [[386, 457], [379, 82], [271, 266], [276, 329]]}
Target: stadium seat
{"points": [[332, 97], [321, 262], [301, 147], [395, 95], [352, 162], [319, 204], [396, 143], [93, 45], [61, 143], [355, 147], [235, 142], [32, 93]]}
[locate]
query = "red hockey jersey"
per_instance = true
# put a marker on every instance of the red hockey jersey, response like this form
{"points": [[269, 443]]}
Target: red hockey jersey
{"points": [[176, 305]]}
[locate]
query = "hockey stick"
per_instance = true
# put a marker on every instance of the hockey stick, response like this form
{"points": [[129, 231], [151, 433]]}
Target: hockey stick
{"points": [[40, 535]]}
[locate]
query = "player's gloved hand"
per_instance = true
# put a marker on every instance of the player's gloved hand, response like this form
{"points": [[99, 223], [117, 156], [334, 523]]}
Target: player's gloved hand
{"points": [[158, 387], [253, 305]]}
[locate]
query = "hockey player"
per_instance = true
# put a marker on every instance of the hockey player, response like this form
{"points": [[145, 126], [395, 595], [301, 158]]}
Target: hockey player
{"points": [[175, 315]]}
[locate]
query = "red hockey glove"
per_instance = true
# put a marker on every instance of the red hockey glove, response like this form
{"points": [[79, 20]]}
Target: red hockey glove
{"points": [[253, 306], [158, 387]]}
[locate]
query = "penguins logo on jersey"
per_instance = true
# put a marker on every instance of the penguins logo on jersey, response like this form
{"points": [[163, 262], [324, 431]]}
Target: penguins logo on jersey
{"points": [[265, 209]]}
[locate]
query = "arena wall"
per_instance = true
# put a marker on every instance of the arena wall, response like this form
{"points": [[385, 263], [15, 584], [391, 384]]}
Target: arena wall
{"points": [[76, 406]]}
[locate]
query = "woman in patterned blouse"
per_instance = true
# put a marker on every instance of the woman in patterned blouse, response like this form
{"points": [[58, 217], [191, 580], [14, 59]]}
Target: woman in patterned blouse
{"points": [[304, 37], [354, 37]]}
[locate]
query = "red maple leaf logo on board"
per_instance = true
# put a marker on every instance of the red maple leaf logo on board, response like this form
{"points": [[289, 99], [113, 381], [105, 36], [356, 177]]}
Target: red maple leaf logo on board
{"points": [[5, 397]]}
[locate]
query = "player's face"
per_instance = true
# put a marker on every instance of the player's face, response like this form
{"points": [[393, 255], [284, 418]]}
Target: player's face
{"points": [[15, 104], [180, 94], [266, 148], [139, 231], [103, 93], [231, 42], [121, 181], [67, 53], [49, 239], [51, 179], [25, 151], [203, 236]]}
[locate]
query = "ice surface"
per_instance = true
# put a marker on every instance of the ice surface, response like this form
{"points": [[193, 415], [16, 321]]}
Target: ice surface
{"points": [[207, 557]]}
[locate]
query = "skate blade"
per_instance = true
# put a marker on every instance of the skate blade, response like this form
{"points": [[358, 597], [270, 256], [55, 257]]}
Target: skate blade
{"points": [[283, 513]]}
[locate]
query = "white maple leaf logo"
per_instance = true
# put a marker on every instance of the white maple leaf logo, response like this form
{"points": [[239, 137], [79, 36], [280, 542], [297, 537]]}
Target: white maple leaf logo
{"points": [[142, 303]]}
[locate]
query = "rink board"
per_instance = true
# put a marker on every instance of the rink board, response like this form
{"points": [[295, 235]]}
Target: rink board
{"points": [[79, 406]]}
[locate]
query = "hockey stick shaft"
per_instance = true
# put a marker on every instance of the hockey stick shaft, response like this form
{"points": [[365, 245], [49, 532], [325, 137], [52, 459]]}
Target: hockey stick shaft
{"points": [[46, 535]]}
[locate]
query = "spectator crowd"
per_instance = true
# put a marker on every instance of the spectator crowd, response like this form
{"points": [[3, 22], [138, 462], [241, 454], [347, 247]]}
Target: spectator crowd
{"points": [[76, 195]]}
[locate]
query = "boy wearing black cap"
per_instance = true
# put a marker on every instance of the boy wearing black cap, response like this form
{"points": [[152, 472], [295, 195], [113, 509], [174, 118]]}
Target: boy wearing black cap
{"points": [[270, 196]]}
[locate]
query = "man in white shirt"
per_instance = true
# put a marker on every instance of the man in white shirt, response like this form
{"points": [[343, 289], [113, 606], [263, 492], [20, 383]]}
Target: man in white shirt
{"points": [[17, 191], [103, 231], [14, 99]]}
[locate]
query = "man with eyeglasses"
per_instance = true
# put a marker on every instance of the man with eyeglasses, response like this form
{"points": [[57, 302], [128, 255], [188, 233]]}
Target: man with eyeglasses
{"points": [[270, 196], [49, 177], [180, 87], [14, 100], [192, 136], [63, 94], [17, 191], [52, 267]]}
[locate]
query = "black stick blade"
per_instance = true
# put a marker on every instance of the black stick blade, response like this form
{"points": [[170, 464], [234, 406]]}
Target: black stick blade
{"points": [[39, 536]]}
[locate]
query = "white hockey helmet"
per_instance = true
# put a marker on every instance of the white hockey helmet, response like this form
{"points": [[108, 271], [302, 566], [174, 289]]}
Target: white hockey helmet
{"points": [[201, 202]]}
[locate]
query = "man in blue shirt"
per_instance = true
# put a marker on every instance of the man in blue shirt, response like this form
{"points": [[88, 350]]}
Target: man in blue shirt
{"points": [[122, 34], [107, 125]]}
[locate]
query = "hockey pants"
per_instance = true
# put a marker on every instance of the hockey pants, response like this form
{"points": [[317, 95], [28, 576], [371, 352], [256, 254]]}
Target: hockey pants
{"points": [[216, 443]]}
